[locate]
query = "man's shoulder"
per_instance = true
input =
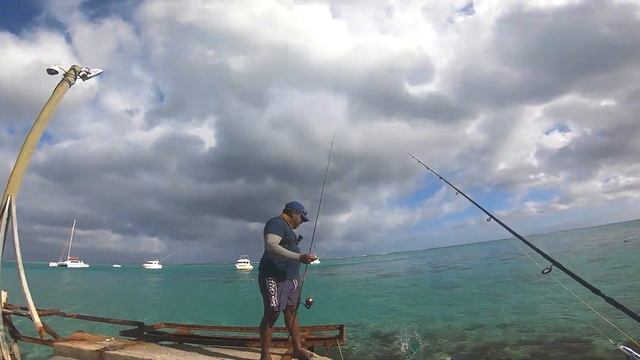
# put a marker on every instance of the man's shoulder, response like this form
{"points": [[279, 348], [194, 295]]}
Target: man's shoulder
{"points": [[276, 225], [276, 220]]}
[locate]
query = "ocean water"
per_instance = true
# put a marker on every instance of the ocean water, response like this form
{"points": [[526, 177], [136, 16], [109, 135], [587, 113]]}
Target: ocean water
{"points": [[478, 301]]}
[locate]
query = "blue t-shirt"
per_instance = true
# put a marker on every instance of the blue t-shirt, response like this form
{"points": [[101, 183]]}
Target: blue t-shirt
{"points": [[275, 266]]}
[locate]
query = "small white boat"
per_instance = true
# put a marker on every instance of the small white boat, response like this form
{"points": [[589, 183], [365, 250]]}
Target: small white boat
{"points": [[117, 265], [316, 261], [244, 264], [53, 264], [152, 265], [72, 262]]}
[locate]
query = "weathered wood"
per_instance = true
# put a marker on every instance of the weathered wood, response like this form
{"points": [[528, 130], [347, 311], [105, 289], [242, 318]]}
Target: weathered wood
{"points": [[50, 331], [21, 274], [4, 217], [251, 329], [87, 346], [276, 342], [4, 346], [180, 334], [102, 319]]}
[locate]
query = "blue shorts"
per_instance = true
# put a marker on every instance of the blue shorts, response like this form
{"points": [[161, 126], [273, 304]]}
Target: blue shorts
{"points": [[276, 295]]}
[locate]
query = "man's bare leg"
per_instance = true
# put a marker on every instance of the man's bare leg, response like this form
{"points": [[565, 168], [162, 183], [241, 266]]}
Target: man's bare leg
{"points": [[291, 321], [266, 331]]}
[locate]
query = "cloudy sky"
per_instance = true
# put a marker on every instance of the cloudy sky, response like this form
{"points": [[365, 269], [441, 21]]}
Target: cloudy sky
{"points": [[210, 115]]}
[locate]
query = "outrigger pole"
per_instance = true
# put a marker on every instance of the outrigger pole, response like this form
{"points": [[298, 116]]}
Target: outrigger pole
{"points": [[553, 261], [8, 216]]}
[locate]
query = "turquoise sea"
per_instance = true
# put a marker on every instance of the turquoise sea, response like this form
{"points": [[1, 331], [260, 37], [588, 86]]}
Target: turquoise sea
{"points": [[479, 301]]}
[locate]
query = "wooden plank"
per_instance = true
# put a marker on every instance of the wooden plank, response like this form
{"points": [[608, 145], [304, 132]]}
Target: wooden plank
{"points": [[20, 267], [88, 346]]}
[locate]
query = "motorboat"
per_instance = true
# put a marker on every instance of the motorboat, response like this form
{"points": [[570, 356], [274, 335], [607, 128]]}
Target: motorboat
{"points": [[152, 265], [244, 264], [72, 262], [117, 265], [316, 261]]}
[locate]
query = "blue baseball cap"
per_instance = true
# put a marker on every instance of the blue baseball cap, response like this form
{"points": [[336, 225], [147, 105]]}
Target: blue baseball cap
{"points": [[297, 207]]}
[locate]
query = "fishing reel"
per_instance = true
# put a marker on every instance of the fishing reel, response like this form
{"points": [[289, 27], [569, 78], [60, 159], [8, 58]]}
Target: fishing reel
{"points": [[308, 303]]}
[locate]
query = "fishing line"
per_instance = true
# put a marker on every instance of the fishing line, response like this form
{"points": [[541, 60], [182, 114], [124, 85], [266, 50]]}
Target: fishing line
{"points": [[581, 300], [326, 171], [315, 224], [309, 301], [553, 261]]}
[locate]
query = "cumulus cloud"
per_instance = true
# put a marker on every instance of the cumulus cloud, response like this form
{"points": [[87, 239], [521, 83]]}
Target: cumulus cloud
{"points": [[210, 116]]}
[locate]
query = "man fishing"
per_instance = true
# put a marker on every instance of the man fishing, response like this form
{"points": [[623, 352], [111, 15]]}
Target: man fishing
{"points": [[279, 277]]}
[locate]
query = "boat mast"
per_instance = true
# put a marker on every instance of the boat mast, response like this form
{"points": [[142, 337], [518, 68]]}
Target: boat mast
{"points": [[73, 228]]}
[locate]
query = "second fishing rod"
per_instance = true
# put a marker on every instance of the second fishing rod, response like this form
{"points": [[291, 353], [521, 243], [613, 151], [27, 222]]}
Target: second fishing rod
{"points": [[553, 261]]}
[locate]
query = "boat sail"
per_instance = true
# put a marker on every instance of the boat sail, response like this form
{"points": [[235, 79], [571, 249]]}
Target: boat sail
{"points": [[71, 261]]}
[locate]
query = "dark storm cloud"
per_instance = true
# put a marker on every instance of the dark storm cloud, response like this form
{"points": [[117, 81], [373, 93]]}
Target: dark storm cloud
{"points": [[208, 119]]}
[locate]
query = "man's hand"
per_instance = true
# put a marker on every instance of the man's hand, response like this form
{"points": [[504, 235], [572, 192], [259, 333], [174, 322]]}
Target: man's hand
{"points": [[307, 258]]}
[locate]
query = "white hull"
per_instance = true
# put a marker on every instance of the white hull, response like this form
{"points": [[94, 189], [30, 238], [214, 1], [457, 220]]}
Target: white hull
{"points": [[53, 264], [244, 264], [244, 267], [152, 265], [73, 264]]}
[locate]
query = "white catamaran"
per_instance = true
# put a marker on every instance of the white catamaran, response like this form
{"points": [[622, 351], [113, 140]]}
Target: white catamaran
{"points": [[72, 261]]}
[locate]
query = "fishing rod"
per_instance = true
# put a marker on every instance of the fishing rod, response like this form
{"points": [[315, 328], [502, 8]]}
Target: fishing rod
{"points": [[553, 261], [324, 182], [309, 301]]}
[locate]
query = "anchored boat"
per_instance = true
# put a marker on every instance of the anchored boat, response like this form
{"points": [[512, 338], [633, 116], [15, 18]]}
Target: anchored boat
{"points": [[152, 265], [244, 264], [72, 261]]}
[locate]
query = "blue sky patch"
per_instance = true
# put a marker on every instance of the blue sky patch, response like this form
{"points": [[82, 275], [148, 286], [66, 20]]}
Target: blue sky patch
{"points": [[18, 14], [540, 195], [97, 9], [46, 139], [425, 190], [467, 10], [561, 128]]}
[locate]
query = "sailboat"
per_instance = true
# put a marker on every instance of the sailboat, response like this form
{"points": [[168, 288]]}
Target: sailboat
{"points": [[72, 261]]}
